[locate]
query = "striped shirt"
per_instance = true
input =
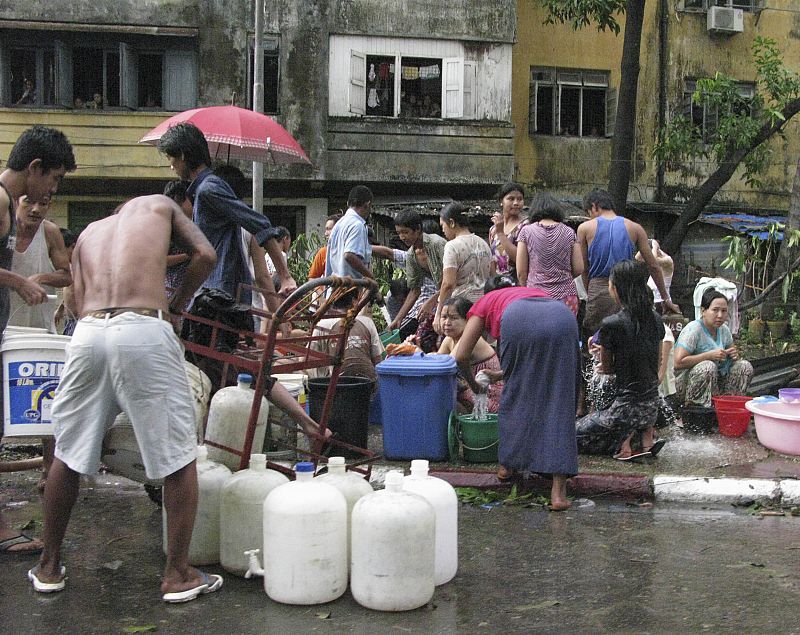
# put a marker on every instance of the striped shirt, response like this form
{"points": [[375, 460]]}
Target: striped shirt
{"points": [[550, 258]]}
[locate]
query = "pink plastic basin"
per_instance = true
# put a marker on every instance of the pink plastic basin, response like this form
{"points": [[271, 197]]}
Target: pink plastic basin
{"points": [[777, 425]]}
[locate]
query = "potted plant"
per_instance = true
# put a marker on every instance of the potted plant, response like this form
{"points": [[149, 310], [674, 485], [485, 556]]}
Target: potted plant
{"points": [[778, 325], [755, 326]]}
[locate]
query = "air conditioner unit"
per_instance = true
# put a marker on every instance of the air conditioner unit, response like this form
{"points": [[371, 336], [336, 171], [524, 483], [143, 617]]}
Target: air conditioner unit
{"points": [[725, 20]]}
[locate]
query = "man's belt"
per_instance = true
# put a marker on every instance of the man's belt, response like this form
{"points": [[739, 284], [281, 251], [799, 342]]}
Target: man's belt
{"points": [[113, 312]]}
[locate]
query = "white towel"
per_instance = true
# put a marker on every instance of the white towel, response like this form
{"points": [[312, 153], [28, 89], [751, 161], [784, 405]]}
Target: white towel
{"points": [[726, 288]]}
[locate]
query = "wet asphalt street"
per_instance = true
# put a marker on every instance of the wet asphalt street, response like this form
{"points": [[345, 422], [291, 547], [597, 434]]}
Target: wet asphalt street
{"points": [[611, 568]]}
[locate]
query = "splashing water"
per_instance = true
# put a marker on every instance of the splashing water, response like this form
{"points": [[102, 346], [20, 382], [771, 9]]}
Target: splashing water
{"points": [[600, 388], [480, 407], [668, 412]]}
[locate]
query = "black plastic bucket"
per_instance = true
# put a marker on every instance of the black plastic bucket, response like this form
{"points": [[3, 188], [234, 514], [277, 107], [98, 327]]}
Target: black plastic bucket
{"points": [[349, 416], [699, 419]]}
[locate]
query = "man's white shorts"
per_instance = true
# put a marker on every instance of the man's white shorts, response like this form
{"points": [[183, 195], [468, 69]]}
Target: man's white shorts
{"points": [[130, 363]]}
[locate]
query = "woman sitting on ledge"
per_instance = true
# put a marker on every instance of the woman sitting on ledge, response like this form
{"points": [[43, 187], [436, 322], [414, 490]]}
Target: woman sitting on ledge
{"points": [[706, 361]]}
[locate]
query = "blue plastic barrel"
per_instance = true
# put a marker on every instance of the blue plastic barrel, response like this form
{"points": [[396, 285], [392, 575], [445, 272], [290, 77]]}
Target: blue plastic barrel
{"points": [[417, 394]]}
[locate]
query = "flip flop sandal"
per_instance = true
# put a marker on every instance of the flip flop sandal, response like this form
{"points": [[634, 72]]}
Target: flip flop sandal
{"points": [[48, 587], [210, 583], [654, 449], [22, 539], [632, 457]]}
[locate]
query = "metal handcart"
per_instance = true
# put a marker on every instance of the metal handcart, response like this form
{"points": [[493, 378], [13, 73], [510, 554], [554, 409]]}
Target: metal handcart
{"points": [[286, 347]]}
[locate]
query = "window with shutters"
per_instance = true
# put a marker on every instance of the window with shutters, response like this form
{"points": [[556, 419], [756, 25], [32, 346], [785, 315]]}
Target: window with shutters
{"points": [[570, 102], [705, 117], [96, 71], [412, 87]]}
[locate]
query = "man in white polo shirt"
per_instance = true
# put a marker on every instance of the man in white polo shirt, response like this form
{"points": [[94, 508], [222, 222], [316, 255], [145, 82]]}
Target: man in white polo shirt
{"points": [[349, 251]]}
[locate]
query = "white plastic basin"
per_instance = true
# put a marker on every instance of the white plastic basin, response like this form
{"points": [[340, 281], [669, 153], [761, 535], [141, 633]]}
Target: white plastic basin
{"points": [[777, 425]]}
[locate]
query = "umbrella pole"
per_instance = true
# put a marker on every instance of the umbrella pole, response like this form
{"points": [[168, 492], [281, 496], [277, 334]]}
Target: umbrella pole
{"points": [[258, 100]]}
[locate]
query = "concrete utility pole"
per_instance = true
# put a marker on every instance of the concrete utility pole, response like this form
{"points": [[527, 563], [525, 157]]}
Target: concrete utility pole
{"points": [[258, 100]]}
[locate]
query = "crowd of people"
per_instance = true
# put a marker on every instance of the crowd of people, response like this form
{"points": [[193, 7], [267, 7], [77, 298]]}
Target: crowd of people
{"points": [[506, 309], [463, 296]]}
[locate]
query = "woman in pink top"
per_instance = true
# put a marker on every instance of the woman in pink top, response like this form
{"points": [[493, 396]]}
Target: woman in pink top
{"points": [[538, 350], [551, 258]]}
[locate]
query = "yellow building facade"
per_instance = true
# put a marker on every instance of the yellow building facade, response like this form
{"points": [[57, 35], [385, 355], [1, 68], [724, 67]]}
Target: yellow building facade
{"points": [[107, 150], [563, 77]]}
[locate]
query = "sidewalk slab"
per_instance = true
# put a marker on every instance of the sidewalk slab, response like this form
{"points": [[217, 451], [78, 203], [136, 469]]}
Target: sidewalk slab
{"points": [[790, 492], [701, 489]]}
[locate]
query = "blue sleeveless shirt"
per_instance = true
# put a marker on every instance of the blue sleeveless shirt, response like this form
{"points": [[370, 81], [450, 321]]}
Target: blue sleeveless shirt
{"points": [[611, 244]]}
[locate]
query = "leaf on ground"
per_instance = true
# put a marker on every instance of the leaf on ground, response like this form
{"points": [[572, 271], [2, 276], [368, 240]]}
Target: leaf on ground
{"points": [[113, 565], [144, 628], [323, 616], [31, 524], [760, 565], [539, 605]]}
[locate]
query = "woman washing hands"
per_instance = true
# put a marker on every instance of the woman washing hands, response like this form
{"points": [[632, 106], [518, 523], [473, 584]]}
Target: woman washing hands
{"points": [[706, 361], [483, 358], [629, 346], [538, 345]]}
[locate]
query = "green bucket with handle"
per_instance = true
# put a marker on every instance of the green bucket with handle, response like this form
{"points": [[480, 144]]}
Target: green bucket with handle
{"points": [[474, 440]]}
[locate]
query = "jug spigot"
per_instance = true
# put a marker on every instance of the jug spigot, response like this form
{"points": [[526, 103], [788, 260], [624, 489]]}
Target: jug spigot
{"points": [[254, 566]]}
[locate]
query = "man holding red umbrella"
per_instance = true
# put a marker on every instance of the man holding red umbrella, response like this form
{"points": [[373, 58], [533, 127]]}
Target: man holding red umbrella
{"points": [[220, 214]]}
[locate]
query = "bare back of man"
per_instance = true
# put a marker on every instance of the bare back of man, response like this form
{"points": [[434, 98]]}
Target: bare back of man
{"points": [[121, 261]]}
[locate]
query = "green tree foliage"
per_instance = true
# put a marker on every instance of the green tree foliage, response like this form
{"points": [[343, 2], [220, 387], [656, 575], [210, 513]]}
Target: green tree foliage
{"points": [[743, 125], [301, 253], [739, 119], [581, 13]]}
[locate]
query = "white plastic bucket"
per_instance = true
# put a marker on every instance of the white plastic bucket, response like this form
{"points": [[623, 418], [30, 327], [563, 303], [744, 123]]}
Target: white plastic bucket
{"points": [[295, 384], [32, 366], [22, 330]]}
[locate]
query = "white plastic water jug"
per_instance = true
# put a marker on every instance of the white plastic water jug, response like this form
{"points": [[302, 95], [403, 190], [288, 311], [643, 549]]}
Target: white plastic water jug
{"points": [[211, 476], [352, 485], [442, 497], [305, 541], [242, 512], [227, 421], [393, 546]]}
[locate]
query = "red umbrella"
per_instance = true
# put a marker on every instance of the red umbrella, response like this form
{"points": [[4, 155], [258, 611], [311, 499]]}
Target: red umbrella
{"points": [[237, 133]]}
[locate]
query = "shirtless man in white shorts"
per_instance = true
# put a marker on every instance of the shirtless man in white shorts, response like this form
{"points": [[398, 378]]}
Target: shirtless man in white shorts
{"points": [[124, 355]]}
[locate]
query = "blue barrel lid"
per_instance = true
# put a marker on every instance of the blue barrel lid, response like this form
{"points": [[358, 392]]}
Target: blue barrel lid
{"points": [[304, 466], [244, 377], [418, 365]]}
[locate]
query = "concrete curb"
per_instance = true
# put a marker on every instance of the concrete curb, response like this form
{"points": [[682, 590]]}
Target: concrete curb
{"points": [[700, 489], [667, 488]]}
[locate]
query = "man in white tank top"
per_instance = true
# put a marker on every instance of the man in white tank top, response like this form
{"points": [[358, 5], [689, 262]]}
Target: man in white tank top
{"points": [[41, 257]]}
